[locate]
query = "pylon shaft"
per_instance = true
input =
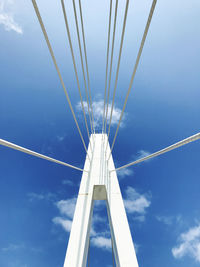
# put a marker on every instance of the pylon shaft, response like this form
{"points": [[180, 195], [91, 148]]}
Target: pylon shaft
{"points": [[98, 184]]}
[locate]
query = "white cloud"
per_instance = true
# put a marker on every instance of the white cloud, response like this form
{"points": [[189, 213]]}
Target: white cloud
{"points": [[60, 138], [136, 246], [98, 107], [47, 196], [101, 242], [189, 244], [142, 153], [169, 220], [7, 17], [96, 218], [67, 207], [140, 218], [65, 223], [12, 247], [101, 239], [136, 203], [67, 182], [125, 172]]}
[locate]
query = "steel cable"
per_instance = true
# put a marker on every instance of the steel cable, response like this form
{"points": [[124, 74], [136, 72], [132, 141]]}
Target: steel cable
{"points": [[86, 62], [135, 68], [107, 57], [82, 65], [118, 65], [35, 154], [74, 63], [162, 151], [111, 61], [57, 69]]}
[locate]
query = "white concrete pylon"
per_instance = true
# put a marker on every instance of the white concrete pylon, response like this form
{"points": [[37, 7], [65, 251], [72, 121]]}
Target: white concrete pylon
{"points": [[99, 185]]}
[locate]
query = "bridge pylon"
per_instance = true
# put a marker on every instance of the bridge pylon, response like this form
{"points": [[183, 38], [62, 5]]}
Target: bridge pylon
{"points": [[100, 184]]}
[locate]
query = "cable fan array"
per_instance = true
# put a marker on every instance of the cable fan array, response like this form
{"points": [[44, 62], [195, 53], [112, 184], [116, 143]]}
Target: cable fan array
{"points": [[106, 118]]}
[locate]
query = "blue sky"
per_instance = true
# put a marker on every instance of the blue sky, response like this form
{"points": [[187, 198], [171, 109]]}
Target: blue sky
{"points": [[161, 196]]}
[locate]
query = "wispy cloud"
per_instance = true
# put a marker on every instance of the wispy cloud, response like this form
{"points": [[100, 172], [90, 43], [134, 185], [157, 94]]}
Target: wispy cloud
{"points": [[101, 242], [65, 223], [140, 218], [12, 247], [60, 138], [169, 220], [66, 210], [136, 203], [137, 247], [67, 182], [41, 196], [189, 244], [142, 153], [7, 17], [67, 207], [124, 173], [98, 107], [96, 218]]}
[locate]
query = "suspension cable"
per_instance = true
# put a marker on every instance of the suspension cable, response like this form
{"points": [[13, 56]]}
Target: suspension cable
{"points": [[108, 46], [57, 69], [135, 68], [118, 65], [162, 151], [81, 56], [111, 61], [35, 154], [86, 62], [74, 63]]}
